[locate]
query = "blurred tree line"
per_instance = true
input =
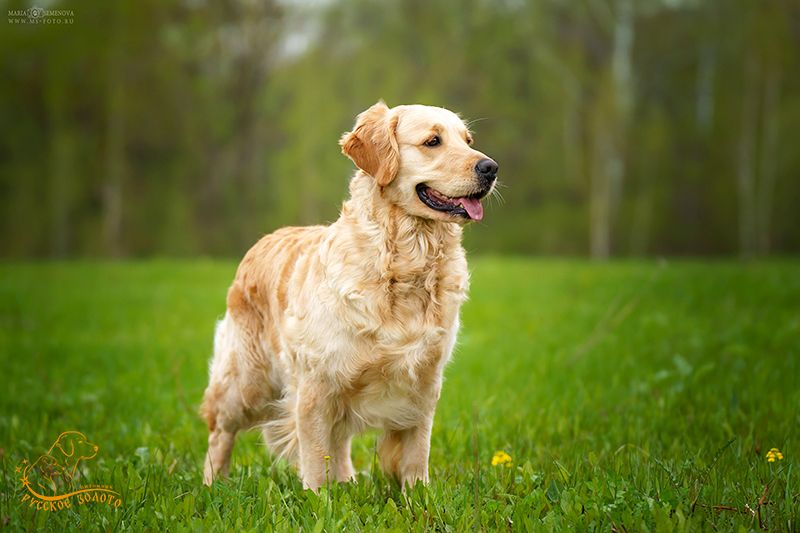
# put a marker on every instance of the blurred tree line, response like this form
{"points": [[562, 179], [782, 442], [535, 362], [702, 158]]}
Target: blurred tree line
{"points": [[622, 127]]}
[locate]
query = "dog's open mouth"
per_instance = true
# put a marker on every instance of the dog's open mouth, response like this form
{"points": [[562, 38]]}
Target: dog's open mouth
{"points": [[466, 206]]}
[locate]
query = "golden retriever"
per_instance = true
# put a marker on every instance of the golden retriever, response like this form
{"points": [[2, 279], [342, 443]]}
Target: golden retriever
{"points": [[333, 329]]}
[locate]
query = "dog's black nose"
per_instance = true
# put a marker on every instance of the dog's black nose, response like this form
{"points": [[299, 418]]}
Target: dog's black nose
{"points": [[487, 169]]}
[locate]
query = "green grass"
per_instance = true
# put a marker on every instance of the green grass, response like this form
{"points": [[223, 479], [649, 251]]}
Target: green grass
{"points": [[632, 396]]}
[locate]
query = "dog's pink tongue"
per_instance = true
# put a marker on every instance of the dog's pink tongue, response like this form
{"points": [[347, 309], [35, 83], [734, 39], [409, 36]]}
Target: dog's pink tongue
{"points": [[473, 207]]}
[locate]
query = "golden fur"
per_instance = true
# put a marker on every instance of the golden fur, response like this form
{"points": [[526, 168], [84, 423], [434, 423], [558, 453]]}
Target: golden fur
{"points": [[333, 329]]}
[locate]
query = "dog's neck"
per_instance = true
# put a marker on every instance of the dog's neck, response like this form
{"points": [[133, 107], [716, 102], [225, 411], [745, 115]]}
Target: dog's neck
{"points": [[408, 247]]}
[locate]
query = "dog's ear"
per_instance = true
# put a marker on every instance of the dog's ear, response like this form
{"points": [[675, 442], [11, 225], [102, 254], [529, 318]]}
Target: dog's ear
{"points": [[63, 447], [372, 145]]}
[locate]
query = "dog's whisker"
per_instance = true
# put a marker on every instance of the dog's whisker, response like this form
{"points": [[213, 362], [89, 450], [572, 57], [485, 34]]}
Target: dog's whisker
{"points": [[474, 120], [497, 195]]}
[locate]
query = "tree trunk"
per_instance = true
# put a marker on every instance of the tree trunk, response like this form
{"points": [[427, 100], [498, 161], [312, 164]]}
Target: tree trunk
{"points": [[770, 128], [62, 177], [746, 170], [608, 171], [600, 196], [704, 104], [115, 145]]}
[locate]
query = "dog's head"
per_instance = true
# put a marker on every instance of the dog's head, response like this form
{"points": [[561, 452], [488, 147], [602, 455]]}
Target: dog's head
{"points": [[75, 446], [422, 158]]}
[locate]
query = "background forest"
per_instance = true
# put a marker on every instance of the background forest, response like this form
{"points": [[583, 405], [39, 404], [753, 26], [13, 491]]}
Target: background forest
{"points": [[183, 127], [635, 394]]}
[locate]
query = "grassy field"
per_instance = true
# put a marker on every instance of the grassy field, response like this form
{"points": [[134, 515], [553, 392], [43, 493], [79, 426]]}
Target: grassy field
{"points": [[632, 396]]}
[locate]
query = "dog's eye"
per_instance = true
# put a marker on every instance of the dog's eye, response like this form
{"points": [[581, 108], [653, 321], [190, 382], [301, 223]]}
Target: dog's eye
{"points": [[433, 141], [469, 140]]}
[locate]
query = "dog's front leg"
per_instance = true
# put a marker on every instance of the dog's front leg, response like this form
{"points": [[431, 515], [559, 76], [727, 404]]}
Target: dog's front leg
{"points": [[342, 464], [314, 427], [404, 453]]}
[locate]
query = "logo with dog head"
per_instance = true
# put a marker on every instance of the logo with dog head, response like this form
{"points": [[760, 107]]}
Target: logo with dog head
{"points": [[50, 482]]}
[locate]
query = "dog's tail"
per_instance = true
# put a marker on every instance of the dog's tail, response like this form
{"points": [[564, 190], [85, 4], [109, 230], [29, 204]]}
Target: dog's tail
{"points": [[280, 432]]}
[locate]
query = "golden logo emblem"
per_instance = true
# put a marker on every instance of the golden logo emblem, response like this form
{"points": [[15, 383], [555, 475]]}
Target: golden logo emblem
{"points": [[50, 482]]}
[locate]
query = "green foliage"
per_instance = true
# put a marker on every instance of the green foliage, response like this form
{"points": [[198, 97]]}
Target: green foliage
{"points": [[632, 396], [183, 127]]}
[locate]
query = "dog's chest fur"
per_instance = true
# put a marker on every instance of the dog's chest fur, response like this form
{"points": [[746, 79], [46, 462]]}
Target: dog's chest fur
{"points": [[402, 332], [381, 326]]}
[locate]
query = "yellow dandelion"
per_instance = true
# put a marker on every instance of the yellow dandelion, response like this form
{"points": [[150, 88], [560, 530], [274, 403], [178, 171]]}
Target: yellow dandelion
{"points": [[501, 458], [327, 457], [774, 454]]}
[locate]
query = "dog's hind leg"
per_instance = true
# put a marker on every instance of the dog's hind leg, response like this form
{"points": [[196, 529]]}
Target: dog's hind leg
{"points": [[221, 437], [243, 385], [218, 457], [222, 406]]}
